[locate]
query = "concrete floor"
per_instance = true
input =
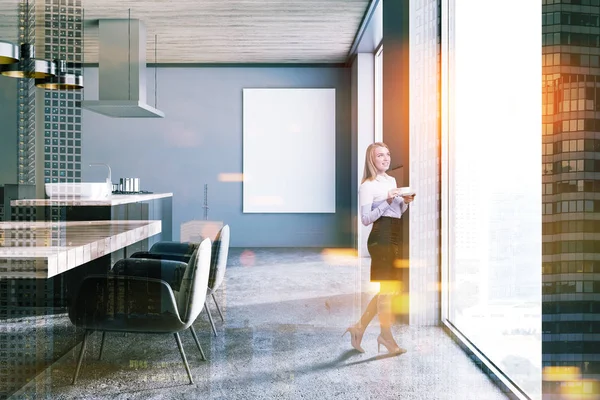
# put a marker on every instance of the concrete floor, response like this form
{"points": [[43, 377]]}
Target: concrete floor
{"points": [[285, 311]]}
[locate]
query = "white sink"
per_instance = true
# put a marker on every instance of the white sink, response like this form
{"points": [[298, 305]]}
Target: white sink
{"points": [[81, 190]]}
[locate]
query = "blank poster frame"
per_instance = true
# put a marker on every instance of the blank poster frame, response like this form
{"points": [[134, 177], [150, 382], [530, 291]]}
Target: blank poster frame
{"points": [[289, 150]]}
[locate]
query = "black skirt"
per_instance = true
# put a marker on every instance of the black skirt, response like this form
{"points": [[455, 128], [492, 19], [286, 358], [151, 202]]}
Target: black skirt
{"points": [[384, 245]]}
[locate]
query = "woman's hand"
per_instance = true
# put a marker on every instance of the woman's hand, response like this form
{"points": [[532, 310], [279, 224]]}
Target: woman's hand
{"points": [[408, 199], [391, 194]]}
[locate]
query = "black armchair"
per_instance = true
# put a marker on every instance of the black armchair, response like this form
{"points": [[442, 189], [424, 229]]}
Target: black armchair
{"points": [[181, 252], [123, 303]]}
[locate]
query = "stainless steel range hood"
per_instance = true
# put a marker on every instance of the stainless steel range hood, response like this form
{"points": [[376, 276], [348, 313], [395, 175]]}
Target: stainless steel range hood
{"points": [[122, 71]]}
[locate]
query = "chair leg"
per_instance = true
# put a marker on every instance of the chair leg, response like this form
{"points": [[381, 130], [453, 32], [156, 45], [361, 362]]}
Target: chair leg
{"points": [[218, 309], [102, 345], [211, 320], [197, 342], [187, 367], [81, 353]]}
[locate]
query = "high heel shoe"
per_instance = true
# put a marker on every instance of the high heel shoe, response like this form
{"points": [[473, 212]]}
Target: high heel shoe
{"points": [[356, 335], [391, 346]]}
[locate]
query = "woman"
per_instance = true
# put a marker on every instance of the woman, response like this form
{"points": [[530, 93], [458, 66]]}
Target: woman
{"points": [[382, 206]]}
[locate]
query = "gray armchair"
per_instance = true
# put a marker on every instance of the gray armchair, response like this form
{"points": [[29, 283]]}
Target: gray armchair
{"points": [[181, 252], [141, 304]]}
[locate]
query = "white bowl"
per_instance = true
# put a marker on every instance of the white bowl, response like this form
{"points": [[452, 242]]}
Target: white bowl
{"points": [[406, 191], [80, 190]]}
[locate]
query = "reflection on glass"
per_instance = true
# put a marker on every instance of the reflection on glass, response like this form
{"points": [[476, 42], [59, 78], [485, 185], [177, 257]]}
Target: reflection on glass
{"points": [[379, 95]]}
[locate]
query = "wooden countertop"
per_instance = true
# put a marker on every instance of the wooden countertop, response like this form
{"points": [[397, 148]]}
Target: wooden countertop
{"points": [[46, 249], [112, 200]]}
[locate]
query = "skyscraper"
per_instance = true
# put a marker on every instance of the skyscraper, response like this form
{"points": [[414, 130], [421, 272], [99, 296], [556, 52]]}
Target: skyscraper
{"points": [[571, 200], [63, 39]]}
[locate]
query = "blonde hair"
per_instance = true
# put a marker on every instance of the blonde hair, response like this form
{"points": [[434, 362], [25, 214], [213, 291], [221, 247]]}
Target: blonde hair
{"points": [[370, 172]]}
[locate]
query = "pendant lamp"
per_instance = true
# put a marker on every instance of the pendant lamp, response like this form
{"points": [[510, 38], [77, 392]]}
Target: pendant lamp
{"points": [[9, 52], [20, 62], [62, 80], [28, 66]]}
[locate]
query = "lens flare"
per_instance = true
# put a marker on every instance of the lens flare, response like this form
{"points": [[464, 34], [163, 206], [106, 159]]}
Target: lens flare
{"points": [[247, 258]]}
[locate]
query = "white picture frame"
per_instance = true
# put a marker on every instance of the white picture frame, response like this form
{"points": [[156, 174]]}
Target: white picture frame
{"points": [[289, 150]]}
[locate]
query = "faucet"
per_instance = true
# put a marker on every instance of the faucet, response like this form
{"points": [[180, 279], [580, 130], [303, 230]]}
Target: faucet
{"points": [[109, 179]]}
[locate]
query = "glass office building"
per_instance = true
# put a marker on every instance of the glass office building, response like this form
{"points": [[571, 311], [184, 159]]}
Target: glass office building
{"points": [[51, 140], [63, 39], [571, 204]]}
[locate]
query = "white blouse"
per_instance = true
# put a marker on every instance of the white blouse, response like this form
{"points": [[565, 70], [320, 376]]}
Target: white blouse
{"points": [[373, 200]]}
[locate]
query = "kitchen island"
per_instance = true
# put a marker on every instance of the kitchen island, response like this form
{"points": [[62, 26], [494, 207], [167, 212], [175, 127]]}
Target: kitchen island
{"points": [[63, 239], [112, 200], [116, 207], [45, 249]]}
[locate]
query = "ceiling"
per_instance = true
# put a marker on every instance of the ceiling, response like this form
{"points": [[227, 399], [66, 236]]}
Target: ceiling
{"points": [[225, 31]]}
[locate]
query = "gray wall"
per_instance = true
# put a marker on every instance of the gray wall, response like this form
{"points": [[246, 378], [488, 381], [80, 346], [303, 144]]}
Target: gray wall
{"points": [[8, 130], [201, 137]]}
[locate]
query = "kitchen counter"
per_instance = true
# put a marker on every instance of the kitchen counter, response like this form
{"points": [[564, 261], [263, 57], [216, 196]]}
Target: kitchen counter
{"points": [[112, 200], [45, 249]]}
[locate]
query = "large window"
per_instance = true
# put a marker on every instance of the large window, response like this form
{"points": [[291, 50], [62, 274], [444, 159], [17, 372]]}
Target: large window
{"points": [[492, 184]]}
